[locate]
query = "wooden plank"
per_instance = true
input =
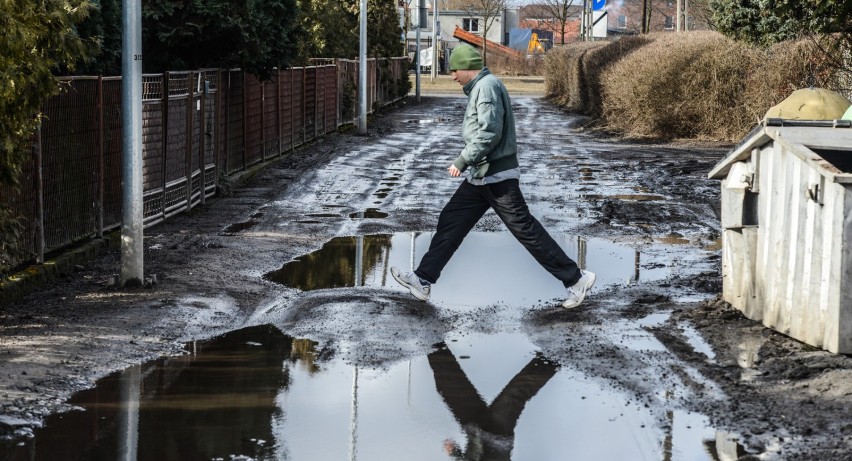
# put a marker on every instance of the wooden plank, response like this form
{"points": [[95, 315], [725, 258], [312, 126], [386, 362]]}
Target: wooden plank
{"points": [[842, 340], [792, 271], [832, 265], [807, 317]]}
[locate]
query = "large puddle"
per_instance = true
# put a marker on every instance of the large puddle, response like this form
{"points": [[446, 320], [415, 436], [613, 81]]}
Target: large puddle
{"points": [[259, 394], [511, 275]]}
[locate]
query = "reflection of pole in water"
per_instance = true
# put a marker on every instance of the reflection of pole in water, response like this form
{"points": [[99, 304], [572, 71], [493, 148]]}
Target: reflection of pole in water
{"points": [[581, 252], [359, 260], [353, 425], [636, 266], [726, 446], [385, 264], [668, 443], [409, 382], [411, 259], [131, 384]]}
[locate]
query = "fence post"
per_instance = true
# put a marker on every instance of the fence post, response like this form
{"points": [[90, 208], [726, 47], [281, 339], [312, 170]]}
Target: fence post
{"points": [[292, 111], [316, 100], [39, 186], [189, 134], [228, 126], [100, 205], [217, 128], [280, 116], [337, 115], [202, 139], [245, 117], [165, 87], [263, 121], [337, 90]]}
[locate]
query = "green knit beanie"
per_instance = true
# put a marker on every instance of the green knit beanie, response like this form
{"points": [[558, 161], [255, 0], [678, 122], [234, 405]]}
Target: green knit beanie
{"points": [[465, 57]]}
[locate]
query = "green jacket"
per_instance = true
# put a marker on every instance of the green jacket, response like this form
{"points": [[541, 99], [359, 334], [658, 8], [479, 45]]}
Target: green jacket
{"points": [[488, 128]]}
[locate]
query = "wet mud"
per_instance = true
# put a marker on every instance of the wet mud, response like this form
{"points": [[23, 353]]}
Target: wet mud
{"points": [[274, 318]]}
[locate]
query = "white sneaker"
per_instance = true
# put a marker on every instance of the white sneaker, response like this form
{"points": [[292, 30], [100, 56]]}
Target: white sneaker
{"points": [[577, 292], [412, 282]]}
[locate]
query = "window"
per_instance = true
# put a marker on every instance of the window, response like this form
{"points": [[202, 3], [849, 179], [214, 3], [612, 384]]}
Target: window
{"points": [[470, 24], [621, 22], [669, 22]]}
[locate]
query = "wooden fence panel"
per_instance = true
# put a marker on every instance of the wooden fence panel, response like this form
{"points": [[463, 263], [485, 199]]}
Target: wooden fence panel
{"points": [[310, 103], [330, 98], [270, 118], [235, 124], [298, 105], [254, 119], [286, 96]]}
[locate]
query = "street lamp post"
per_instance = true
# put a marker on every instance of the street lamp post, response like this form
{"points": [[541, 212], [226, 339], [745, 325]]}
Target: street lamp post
{"points": [[132, 269]]}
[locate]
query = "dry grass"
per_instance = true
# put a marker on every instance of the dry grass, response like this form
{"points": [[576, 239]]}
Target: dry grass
{"points": [[444, 85], [516, 66]]}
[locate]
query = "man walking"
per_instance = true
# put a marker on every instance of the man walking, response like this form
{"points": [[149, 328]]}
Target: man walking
{"points": [[490, 154]]}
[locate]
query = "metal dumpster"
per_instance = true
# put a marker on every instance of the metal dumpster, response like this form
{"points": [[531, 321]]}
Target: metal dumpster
{"points": [[787, 229]]}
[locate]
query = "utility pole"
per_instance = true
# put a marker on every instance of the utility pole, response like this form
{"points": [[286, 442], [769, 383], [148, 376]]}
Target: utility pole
{"points": [[421, 23], [362, 71], [678, 13], [435, 46], [132, 261]]}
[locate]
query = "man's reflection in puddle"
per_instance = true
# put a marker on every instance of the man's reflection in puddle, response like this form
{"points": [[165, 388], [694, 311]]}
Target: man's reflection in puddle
{"points": [[490, 429]]}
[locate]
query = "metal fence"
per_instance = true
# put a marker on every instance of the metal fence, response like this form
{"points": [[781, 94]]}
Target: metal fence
{"points": [[197, 126]]}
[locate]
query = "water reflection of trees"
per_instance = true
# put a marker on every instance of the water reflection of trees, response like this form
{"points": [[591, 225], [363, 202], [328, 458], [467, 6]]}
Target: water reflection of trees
{"points": [[216, 401], [304, 352], [334, 265]]}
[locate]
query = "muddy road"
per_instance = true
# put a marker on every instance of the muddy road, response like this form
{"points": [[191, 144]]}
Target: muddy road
{"points": [[276, 332]]}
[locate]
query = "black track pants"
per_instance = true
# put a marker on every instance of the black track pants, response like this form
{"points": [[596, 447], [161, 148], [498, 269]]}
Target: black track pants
{"points": [[464, 210]]}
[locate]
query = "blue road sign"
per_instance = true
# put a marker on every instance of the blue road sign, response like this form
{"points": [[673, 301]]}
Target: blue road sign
{"points": [[598, 5]]}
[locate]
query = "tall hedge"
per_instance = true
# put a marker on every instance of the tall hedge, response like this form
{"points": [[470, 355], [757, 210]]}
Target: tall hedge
{"points": [[696, 85]]}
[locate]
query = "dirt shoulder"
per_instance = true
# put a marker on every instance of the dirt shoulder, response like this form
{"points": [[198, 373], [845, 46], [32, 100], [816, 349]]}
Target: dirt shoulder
{"points": [[444, 85]]}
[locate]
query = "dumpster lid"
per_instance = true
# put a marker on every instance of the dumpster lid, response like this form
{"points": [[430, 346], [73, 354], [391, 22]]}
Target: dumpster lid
{"points": [[814, 135]]}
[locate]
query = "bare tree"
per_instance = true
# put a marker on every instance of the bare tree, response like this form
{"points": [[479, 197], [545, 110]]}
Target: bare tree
{"points": [[489, 11], [561, 13]]}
